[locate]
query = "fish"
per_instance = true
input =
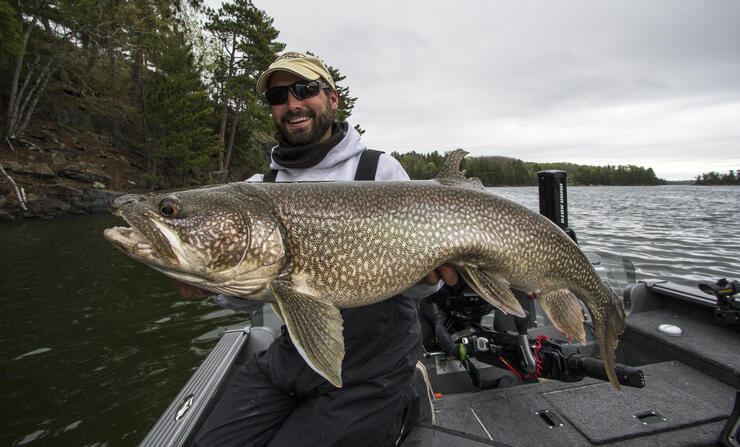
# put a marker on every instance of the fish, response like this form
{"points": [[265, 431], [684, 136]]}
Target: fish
{"points": [[312, 248]]}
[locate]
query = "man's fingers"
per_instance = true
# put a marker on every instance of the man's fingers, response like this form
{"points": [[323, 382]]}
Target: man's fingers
{"points": [[448, 274], [432, 278], [445, 272], [187, 291]]}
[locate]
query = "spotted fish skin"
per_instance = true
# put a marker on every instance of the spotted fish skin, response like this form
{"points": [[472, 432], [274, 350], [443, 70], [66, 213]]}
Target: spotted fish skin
{"points": [[319, 247]]}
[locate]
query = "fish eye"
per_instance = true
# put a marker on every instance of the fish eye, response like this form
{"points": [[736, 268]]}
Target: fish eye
{"points": [[169, 207]]}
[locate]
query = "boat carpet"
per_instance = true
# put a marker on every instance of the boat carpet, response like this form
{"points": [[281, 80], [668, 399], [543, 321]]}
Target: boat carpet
{"points": [[678, 406]]}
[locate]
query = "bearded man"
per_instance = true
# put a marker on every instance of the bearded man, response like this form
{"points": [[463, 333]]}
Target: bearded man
{"points": [[276, 398]]}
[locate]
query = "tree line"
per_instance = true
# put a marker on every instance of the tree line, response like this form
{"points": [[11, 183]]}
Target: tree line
{"points": [[716, 178], [182, 75], [505, 171]]}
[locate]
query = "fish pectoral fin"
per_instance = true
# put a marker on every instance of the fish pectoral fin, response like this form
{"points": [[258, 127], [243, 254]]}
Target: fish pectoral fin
{"points": [[315, 326], [565, 311], [493, 288]]}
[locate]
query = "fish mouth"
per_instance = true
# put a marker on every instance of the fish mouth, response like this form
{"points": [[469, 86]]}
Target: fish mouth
{"points": [[135, 244]]}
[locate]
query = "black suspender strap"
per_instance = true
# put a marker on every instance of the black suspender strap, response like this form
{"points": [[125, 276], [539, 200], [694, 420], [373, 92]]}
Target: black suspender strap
{"points": [[368, 165], [270, 176], [366, 168]]}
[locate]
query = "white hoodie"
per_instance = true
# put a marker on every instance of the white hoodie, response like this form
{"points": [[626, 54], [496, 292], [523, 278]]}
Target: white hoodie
{"points": [[339, 164]]}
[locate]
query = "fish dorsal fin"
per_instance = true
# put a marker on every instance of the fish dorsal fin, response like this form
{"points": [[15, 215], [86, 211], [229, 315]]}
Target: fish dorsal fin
{"points": [[451, 175]]}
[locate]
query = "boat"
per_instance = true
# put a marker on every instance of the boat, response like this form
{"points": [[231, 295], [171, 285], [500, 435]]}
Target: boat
{"points": [[500, 380]]}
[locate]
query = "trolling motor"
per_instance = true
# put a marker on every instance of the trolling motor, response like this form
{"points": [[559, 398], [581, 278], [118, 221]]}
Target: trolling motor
{"points": [[554, 199], [728, 308]]}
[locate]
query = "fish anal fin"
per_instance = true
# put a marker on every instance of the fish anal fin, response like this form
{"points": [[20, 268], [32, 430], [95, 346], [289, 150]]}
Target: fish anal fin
{"points": [[494, 289], [566, 313], [315, 326]]}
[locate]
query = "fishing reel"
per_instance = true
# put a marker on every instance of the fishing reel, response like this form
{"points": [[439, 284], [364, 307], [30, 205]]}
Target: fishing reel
{"points": [[728, 308]]}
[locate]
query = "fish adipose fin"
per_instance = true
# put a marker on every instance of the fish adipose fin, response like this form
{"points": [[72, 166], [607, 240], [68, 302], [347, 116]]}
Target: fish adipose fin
{"points": [[566, 313], [315, 326], [451, 175], [493, 289]]}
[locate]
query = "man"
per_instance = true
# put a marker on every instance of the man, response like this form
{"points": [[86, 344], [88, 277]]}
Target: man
{"points": [[276, 398]]}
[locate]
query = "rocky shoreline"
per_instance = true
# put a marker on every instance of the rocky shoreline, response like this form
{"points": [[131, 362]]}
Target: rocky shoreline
{"points": [[59, 171]]}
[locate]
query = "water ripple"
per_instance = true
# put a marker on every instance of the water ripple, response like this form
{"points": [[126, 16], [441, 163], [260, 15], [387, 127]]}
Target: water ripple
{"points": [[682, 233]]}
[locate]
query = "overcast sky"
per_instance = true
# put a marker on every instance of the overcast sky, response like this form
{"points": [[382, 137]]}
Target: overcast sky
{"points": [[651, 83]]}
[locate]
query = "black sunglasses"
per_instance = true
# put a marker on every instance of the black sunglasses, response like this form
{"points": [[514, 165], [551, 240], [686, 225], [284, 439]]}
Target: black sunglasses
{"points": [[300, 89]]}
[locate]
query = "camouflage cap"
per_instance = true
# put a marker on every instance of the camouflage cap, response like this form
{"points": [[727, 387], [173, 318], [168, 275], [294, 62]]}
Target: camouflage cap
{"points": [[303, 65]]}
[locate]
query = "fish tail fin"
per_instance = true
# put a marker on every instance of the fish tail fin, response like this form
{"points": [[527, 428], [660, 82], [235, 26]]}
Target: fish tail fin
{"points": [[566, 313], [608, 345], [493, 289]]}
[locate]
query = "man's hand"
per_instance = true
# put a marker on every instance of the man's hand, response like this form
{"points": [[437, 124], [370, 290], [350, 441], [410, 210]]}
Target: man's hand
{"points": [[445, 272], [187, 291]]}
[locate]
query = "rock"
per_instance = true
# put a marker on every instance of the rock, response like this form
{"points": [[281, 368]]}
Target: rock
{"points": [[29, 168], [101, 138], [98, 185], [58, 157], [85, 172], [31, 146], [104, 154], [124, 159], [66, 193]]}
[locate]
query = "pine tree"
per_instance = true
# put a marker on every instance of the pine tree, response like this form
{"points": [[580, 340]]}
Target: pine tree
{"points": [[247, 46], [179, 113]]}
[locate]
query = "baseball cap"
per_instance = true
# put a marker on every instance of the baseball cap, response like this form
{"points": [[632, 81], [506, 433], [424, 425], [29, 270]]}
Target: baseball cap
{"points": [[304, 65]]}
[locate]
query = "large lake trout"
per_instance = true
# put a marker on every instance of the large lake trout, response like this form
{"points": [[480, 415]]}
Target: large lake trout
{"points": [[315, 248]]}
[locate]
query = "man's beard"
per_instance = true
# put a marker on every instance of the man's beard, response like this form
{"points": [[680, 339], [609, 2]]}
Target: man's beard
{"points": [[321, 123]]}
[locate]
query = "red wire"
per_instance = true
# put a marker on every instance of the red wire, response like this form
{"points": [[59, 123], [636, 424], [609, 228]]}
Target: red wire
{"points": [[538, 371]]}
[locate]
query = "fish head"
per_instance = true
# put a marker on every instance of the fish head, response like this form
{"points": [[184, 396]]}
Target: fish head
{"points": [[215, 238]]}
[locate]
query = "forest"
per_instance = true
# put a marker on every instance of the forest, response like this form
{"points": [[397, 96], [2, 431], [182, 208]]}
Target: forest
{"points": [[179, 75], [178, 80], [505, 171], [716, 178]]}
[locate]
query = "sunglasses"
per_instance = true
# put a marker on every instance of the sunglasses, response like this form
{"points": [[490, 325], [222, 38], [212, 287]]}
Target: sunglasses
{"points": [[300, 89]]}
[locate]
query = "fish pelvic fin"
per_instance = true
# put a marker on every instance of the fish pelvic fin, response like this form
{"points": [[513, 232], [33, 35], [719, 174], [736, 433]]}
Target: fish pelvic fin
{"points": [[494, 289], [566, 313], [608, 340], [451, 175], [315, 326]]}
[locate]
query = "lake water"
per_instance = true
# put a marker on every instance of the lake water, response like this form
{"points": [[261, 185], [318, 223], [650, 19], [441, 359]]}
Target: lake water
{"points": [[94, 345]]}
